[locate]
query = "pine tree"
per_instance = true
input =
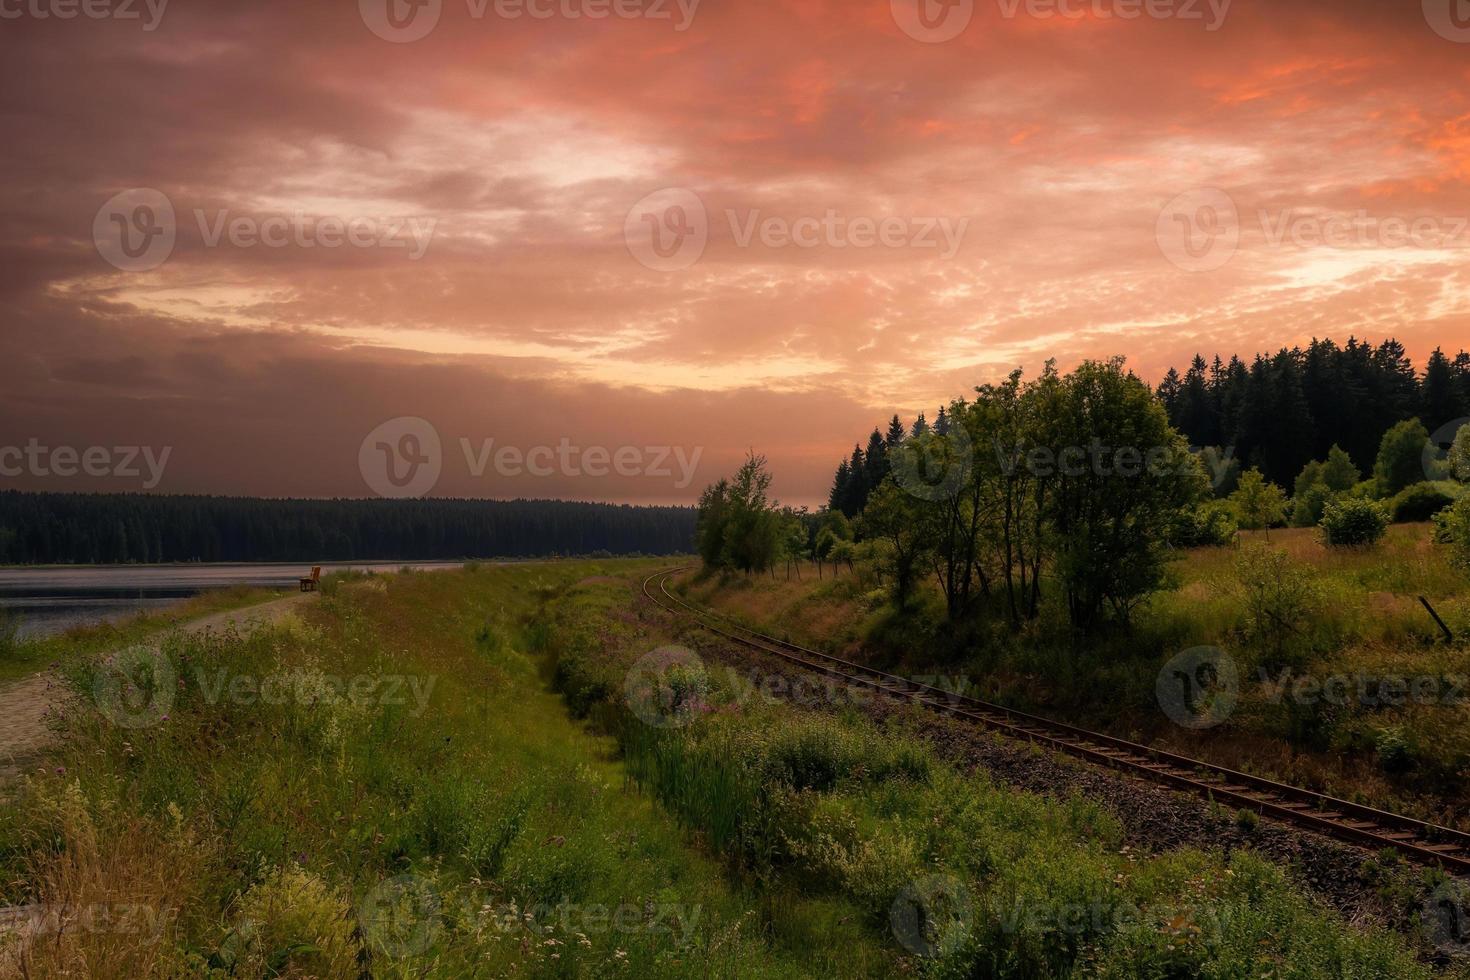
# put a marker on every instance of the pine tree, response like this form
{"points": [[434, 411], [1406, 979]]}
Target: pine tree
{"points": [[941, 422], [896, 432], [838, 495], [921, 426], [875, 460], [1440, 397]]}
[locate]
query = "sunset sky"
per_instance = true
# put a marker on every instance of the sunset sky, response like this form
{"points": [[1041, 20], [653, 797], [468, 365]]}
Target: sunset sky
{"points": [[1109, 184]]}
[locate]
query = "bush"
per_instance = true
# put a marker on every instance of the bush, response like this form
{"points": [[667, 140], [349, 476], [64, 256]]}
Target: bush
{"points": [[1420, 502], [1280, 598], [292, 921], [1452, 529], [1308, 504], [1211, 525], [1353, 522]]}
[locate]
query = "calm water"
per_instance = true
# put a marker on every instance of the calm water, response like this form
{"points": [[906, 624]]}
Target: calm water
{"points": [[50, 600]]}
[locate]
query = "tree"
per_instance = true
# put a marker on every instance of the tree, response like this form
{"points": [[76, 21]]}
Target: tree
{"points": [[896, 432], [738, 525], [1400, 457], [1440, 398], [1110, 519], [709, 532], [1452, 529], [1258, 503], [795, 540], [837, 496], [921, 426], [1459, 455], [895, 518], [1339, 475]]}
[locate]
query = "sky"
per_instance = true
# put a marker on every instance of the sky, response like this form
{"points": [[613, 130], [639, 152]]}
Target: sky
{"points": [[600, 249]]}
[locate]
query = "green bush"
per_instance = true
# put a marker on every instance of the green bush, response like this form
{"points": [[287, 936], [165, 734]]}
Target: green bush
{"points": [[1308, 504], [1352, 522], [1280, 599], [1420, 502], [1211, 525], [1452, 529]]}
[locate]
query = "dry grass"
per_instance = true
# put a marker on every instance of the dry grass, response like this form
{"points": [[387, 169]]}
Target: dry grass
{"points": [[105, 902]]}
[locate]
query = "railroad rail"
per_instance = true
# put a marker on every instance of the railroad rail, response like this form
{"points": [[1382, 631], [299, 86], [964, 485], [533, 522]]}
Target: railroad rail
{"points": [[1354, 823]]}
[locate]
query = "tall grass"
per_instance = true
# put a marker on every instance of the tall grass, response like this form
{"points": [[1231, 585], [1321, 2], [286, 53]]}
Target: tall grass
{"points": [[1028, 886]]}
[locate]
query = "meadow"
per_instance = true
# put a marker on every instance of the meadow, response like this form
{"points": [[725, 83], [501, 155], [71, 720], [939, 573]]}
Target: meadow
{"points": [[452, 775], [1327, 645]]}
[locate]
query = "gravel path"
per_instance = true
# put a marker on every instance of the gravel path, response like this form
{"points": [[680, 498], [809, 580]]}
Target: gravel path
{"points": [[26, 704]]}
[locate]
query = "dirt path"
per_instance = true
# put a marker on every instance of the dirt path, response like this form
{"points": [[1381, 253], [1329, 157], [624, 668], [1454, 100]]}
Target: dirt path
{"points": [[25, 704]]}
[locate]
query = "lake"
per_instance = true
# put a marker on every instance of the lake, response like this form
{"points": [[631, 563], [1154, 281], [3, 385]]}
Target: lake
{"points": [[52, 599]]}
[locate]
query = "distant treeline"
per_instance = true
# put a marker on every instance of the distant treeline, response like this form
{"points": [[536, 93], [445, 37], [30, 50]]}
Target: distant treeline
{"points": [[1277, 413], [1282, 411], [65, 528]]}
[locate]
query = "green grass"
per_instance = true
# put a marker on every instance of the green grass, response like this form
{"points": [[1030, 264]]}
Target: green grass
{"points": [[1022, 886], [1364, 619], [470, 821], [279, 831], [22, 657]]}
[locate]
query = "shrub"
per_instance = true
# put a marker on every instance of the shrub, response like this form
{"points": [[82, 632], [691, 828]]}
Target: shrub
{"points": [[1400, 457], [293, 922], [1308, 504], [1420, 502], [1452, 529], [1352, 522], [1211, 525], [1258, 502], [1280, 598]]}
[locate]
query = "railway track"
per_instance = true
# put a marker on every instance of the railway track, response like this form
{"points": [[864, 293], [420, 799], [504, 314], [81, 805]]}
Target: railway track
{"points": [[1354, 823]]}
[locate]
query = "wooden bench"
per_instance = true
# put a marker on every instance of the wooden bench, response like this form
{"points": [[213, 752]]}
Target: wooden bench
{"points": [[309, 584]]}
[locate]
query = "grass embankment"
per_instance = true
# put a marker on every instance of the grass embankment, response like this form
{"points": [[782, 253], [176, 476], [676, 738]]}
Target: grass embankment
{"points": [[1357, 618], [446, 819], [239, 815], [20, 657], [828, 805]]}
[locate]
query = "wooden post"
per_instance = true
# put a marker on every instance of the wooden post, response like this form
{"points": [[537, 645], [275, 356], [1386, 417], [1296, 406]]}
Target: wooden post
{"points": [[1449, 637]]}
